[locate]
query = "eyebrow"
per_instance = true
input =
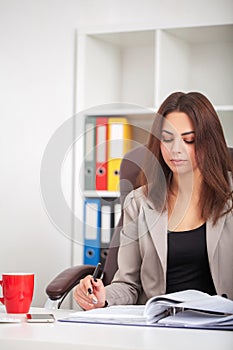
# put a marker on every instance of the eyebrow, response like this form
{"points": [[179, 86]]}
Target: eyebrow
{"points": [[183, 133]]}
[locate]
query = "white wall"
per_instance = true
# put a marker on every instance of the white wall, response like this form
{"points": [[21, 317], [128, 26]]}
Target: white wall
{"points": [[36, 97]]}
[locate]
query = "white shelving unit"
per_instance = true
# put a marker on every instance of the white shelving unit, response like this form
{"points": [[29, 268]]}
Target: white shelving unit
{"points": [[130, 72], [141, 68]]}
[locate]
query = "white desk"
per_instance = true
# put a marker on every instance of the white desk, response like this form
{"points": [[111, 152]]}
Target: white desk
{"points": [[60, 335]]}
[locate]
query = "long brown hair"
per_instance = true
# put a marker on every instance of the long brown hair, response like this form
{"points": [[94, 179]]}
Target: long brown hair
{"points": [[212, 156]]}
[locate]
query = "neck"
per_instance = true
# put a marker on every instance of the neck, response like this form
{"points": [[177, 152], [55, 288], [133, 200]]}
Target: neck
{"points": [[184, 210], [186, 184]]}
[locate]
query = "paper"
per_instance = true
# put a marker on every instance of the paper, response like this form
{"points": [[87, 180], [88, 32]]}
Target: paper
{"points": [[183, 309], [197, 318], [213, 303], [126, 314]]}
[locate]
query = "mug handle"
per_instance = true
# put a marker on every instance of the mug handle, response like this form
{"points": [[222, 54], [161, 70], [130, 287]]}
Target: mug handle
{"points": [[1, 298]]}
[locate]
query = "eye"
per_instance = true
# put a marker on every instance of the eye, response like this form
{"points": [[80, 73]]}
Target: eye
{"points": [[189, 141], [167, 139]]}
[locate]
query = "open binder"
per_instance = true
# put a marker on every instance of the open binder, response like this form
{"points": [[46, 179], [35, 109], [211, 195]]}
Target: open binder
{"points": [[185, 309]]}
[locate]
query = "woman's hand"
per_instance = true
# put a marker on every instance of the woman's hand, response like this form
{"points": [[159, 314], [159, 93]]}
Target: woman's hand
{"points": [[90, 293]]}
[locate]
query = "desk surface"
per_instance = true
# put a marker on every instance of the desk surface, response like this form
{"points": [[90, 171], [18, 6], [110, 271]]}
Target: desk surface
{"points": [[60, 335]]}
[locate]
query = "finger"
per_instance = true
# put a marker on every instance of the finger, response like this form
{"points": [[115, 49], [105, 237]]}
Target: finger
{"points": [[97, 284], [77, 293], [86, 290], [80, 291], [85, 304], [82, 299], [86, 284]]}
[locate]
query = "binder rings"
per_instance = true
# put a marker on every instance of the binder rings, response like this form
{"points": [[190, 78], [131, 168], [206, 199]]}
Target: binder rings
{"points": [[101, 153], [92, 221], [90, 154], [118, 144]]}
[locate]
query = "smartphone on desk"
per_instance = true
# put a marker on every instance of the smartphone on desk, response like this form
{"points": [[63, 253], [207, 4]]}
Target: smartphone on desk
{"points": [[41, 318]]}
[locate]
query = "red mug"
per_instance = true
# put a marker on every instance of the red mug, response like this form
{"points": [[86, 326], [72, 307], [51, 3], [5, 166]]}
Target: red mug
{"points": [[17, 289]]}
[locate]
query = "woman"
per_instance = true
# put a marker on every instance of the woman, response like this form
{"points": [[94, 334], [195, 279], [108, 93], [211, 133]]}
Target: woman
{"points": [[178, 225]]}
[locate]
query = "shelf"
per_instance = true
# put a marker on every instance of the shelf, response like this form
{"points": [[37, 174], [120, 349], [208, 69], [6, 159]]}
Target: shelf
{"points": [[145, 66], [197, 59], [130, 73], [114, 109], [101, 194], [121, 69]]}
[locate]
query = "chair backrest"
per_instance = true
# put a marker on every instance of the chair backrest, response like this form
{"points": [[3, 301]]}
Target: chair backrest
{"points": [[131, 165]]}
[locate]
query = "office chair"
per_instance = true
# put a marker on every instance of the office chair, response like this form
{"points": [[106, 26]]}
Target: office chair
{"points": [[63, 283]]}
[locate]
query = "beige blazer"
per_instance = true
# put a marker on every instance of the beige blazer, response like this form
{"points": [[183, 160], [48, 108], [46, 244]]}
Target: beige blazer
{"points": [[142, 256]]}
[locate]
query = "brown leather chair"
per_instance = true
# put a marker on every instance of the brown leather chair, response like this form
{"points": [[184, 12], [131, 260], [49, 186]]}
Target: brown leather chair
{"points": [[62, 284]]}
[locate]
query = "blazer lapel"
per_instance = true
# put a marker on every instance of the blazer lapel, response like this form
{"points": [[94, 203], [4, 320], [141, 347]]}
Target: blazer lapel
{"points": [[213, 234], [157, 227]]}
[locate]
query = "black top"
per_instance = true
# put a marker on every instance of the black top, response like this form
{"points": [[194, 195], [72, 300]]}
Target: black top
{"points": [[187, 262]]}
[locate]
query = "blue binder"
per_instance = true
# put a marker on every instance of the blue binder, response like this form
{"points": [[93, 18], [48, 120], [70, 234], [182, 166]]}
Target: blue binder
{"points": [[92, 223]]}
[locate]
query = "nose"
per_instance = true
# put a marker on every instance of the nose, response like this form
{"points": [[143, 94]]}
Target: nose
{"points": [[176, 146]]}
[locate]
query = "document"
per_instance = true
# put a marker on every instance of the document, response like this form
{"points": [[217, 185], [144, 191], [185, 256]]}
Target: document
{"points": [[120, 314], [188, 309]]}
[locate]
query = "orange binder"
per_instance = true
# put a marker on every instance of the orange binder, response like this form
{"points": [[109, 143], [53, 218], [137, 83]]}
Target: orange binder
{"points": [[101, 153], [119, 142]]}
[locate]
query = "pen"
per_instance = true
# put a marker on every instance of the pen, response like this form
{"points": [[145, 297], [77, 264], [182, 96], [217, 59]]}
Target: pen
{"points": [[97, 271], [95, 275]]}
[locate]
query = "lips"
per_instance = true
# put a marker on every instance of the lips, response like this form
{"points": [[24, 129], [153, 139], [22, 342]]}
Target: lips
{"points": [[178, 162]]}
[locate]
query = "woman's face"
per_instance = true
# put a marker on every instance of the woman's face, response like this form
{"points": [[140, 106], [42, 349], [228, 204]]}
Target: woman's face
{"points": [[178, 143]]}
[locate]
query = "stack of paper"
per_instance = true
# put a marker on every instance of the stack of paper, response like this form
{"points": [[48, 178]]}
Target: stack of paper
{"points": [[188, 308]]}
